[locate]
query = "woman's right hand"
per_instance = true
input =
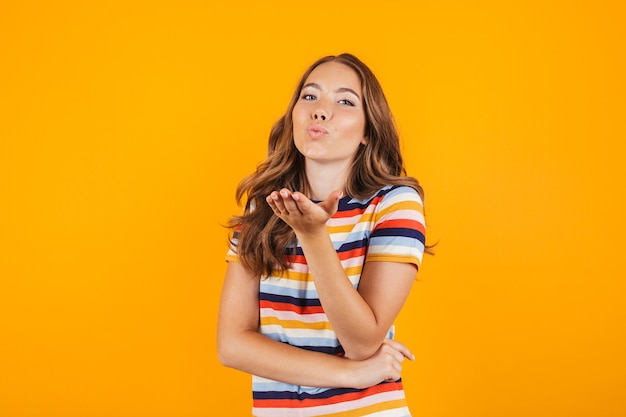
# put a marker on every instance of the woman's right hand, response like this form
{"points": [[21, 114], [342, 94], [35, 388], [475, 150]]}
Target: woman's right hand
{"points": [[384, 365]]}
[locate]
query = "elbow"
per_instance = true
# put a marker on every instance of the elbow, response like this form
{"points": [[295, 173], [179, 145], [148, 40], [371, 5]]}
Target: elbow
{"points": [[233, 349], [225, 353], [356, 356], [222, 356], [359, 353], [227, 357], [364, 348]]}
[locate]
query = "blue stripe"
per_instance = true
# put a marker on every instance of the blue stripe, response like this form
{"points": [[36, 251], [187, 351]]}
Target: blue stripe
{"points": [[354, 241], [314, 344], [300, 302], [288, 292], [399, 233]]}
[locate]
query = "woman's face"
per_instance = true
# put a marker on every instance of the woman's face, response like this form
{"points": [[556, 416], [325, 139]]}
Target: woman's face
{"points": [[329, 118]]}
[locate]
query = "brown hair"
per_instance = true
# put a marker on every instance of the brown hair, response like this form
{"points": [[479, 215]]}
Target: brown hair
{"points": [[263, 239]]}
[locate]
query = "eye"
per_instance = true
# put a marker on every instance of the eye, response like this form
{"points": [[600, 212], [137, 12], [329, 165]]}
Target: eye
{"points": [[308, 97], [346, 102]]}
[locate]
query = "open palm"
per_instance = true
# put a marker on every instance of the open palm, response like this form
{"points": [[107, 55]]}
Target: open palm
{"points": [[300, 213]]}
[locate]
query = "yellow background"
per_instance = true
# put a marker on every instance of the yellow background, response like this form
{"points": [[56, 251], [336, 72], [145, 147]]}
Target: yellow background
{"points": [[126, 126]]}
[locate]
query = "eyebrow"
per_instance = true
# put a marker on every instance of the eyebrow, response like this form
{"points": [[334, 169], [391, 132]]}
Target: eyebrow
{"points": [[339, 90]]}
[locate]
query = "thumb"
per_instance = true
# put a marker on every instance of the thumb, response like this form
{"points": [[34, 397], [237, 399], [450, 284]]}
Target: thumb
{"points": [[332, 202]]}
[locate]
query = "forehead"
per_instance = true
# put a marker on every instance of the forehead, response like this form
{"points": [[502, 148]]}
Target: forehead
{"points": [[334, 75]]}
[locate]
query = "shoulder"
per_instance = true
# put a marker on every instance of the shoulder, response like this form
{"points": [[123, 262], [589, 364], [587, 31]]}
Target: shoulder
{"points": [[389, 192], [399, 190], [399, 196], [398, 233], [390, 197]]}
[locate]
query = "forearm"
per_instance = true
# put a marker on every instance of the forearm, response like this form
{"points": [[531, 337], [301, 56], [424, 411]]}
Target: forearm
{"points": [[351, 317], [360, 319], [254, 353], [242, 347]]}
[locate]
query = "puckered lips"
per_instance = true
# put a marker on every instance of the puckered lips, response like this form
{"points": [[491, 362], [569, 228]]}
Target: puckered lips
{"points": [[316, 131]]}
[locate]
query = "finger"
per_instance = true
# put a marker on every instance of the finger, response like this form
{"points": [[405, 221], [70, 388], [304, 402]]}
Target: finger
{"points": [[398, 356], [400, 347], [272, 203], [331, 203], [393, 374], [278, 202], [393, 353], [275, 202], [300, 199], [303, 202], [287, 199]]}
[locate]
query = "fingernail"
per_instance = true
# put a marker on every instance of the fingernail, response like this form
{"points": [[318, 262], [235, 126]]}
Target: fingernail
{"points": [[295, 197]]}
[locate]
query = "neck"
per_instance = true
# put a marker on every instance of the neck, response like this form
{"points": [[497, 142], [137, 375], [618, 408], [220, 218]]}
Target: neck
{"points": [[326, 178]]}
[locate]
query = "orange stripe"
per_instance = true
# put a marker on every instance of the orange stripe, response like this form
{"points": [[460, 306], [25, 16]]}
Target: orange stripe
{"points": [[369, 409]]}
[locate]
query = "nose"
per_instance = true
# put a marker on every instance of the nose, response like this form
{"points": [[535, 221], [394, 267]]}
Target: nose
{"points": [[322, 114], [319, 115]]}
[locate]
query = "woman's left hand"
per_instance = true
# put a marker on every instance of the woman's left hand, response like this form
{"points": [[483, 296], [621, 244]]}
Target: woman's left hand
{"points": [[299, 212]]}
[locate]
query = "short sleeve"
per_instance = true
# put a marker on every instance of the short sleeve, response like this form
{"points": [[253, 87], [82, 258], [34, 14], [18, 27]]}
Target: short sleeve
{"points": [[231, 255], [399, 231]]}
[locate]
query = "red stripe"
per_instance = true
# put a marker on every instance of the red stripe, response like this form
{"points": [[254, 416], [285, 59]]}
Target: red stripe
{"points": [[358, 210], [402, 224], [290, 307], [296, 259], [341, 398], [299, 259], [353, 253]]}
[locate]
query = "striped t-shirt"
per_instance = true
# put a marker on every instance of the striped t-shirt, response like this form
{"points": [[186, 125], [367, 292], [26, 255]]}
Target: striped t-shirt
{"points": [[389, 226]]}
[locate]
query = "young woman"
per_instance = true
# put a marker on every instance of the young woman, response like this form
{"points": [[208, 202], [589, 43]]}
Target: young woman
{"points": [[324, 255]]}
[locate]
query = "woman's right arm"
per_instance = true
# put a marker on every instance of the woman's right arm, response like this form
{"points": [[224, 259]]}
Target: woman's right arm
{"points": [[242, 347]]}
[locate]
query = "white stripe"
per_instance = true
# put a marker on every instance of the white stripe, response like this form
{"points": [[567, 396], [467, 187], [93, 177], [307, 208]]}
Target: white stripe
{"points": [[356, 261], [394, 251], [299, 333], [345, 221], [363, 221], [396, 412], [403, 215], [291, 315], [339, 238], [402, 195], [286, 283]]}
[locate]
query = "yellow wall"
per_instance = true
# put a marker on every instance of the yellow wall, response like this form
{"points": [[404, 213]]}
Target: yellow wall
{"points": [[125, 127]]}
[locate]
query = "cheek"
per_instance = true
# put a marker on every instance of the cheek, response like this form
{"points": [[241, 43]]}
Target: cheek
{"points": [[357, 126], [298, 114]]}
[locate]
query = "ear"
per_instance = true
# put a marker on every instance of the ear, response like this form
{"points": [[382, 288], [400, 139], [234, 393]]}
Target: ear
{"points": [[364, 140]]}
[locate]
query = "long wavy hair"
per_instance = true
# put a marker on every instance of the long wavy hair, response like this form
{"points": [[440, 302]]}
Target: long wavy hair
{"points": [[263, 241]]}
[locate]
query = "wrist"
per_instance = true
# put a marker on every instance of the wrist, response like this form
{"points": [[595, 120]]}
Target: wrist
{"points": [[314, 236], [347, 373]]}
